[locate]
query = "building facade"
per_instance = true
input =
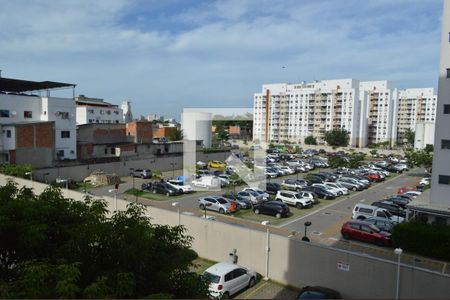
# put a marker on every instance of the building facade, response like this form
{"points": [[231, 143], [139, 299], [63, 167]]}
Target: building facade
{"points": [[95, 110], [416, 106]]}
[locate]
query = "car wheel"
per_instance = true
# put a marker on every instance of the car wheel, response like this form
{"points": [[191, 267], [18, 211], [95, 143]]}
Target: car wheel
{"points": [[298, 190], [299, 205], [154, 191], [257, 211], [251, 283], [181, 191], [221, 211], [202, 206], [354, 189], [225, 295], [167, 194], [346, 236], [278, 215]]}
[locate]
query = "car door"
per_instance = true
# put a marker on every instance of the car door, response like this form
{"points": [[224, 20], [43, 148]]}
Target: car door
{"points": [[240, 278], [228, 283], [366, 234], [287, 198]]}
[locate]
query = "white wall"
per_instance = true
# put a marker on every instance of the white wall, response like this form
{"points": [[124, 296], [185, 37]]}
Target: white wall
{"points": [[424, 135], [95, 114]]}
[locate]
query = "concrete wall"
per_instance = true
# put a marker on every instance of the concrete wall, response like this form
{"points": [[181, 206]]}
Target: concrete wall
{"points": [[292, 261], [122, 168]]}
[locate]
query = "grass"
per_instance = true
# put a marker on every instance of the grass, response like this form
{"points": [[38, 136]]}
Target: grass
{"points": [[201, 264]]}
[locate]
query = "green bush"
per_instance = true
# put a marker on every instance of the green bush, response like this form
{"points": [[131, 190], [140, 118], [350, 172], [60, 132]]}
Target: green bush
{"points": [[16, 170], [428, 240]]}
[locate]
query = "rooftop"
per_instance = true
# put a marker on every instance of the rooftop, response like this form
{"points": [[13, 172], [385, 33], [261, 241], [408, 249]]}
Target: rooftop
{"points": [[19, 86]]}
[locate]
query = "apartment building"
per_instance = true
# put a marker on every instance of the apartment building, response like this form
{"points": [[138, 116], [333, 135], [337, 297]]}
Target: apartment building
{"points": [[27, 118], [95, 110], [296, 111], [416, 107]]}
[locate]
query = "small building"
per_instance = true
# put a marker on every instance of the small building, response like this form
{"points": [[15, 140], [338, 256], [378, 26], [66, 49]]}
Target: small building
{"points": [[424, 135], [96, 110]]}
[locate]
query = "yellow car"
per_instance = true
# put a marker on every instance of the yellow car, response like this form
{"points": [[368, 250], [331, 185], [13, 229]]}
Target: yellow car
{"points": [[215, 164]]}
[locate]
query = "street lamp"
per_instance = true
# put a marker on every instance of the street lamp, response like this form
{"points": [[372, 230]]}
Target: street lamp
{"points": [[31, 177], [205, 205], [177, 205], [305, 238], [115, 197], [134, 189], [267, 223], [398, 252], [173, 169]]}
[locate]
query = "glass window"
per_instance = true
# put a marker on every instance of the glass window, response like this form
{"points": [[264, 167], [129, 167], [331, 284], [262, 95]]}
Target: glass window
{"points": [[8, 133], [445, 144], [444, 179], [448, 73], [211, 277], [229, 276], [27, 114], [65, 134], [4, 113], [446, 109]]}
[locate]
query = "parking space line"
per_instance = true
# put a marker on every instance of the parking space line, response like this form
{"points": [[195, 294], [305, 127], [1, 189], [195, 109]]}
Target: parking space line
{"points": [[255, 290]]}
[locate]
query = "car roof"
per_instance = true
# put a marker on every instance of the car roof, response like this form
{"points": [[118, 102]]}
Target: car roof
{"points": [[222, 268]]}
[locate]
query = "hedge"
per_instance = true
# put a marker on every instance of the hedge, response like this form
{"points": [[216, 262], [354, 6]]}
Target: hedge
{"points": [[427, 240]]}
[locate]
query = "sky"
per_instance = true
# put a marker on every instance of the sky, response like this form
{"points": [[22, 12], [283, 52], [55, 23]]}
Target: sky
{"points": [[166, 55]]}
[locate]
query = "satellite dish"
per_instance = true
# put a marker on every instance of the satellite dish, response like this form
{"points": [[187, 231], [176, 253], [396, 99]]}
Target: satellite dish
{"points": [[13, 113]]}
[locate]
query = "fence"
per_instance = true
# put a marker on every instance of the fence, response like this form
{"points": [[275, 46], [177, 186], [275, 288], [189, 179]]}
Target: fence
{"points": [[291, 261]]}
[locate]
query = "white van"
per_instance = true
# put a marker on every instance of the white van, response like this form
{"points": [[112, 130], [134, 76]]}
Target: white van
{"points": [[364, 211], [206, 182]]}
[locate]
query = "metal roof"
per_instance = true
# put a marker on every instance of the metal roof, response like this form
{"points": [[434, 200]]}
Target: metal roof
{"points": [[19, 86]]}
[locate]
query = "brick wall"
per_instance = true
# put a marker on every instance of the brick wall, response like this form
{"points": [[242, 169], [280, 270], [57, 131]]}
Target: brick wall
{"points": [[141, 131], [164, 132], [35, 135]]}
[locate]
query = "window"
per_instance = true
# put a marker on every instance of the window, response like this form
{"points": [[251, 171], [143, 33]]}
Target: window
{"points": [[445, 144], [4, 113], [27, 114], [106, 150], [444, 179], [64, 115], [228, 276], [60, 153], [65, 134], [446, 109], [355, 226], [448, 73], [8, 133], [113, 150]]}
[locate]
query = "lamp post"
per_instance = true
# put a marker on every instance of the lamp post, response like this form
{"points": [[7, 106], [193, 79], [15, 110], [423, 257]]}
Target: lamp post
{"points": [[173, 169], [31, 177], [177, 205], [134, 189], [398, 252], [115, 198], [267, 223], [305, 238], [45, 177]]}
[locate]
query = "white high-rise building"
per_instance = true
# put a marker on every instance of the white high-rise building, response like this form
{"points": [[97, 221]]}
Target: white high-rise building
{"points": [[440, 188], [415, 107], [127, 115]]}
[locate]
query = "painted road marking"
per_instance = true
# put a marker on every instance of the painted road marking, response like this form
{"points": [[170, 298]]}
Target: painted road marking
{"points": [[255, 290], [362, 200]]}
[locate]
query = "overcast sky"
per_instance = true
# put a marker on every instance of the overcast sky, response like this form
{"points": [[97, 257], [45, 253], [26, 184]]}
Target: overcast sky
{"points": [[164, 55]]}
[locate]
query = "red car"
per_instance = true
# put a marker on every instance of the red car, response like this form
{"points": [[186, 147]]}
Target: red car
{"points": [[373, 177], [365, 232]]}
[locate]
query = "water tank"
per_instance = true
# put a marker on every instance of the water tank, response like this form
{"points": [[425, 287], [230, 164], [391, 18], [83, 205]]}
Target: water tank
{"points": [[197, 126]]}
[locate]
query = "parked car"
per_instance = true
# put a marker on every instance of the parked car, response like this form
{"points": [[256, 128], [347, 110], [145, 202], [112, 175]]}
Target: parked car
{"points": [[294, 184], [273, 208], [240, 201], [287, 170], [226, 279], [207, 182], [425, 181], [312, 178], [179, 184], [333, 190], [350, 185], [365, 232], [259, 191], [309, 195], [400, 200], [390, 206], [272, 187], [216, 164], [337, 186], [215, 203], [364, 211], [321, 192], [318, 292], [354, 180], [164, 188], [294, 199], [271, 173], [413, 194], [224, 179], [142, 173], [252, 196], [381, 223]]}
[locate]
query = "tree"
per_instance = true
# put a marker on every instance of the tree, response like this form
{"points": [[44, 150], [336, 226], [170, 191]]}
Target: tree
{"points": [[410, 136], [420, 158], [221, 134], [337, 162], [374, 152], [310, 140], [337, 137], [52, 247], [175, 135]]}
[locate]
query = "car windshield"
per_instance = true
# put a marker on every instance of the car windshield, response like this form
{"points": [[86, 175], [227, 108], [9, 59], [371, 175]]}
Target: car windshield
{"points": [[176, 182], [388, 214], [211, 277]]}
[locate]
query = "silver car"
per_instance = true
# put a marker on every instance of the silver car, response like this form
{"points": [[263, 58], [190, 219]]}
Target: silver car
{"points": [[215, 203]]}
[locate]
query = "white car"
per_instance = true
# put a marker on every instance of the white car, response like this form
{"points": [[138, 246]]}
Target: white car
{"points": [[259, 191], [414, 194], [206, 182], [425, 181], [287, 170], [337, 186], [294, 199], [202, 164], [224, 179], [227, 279], [179, 184]]}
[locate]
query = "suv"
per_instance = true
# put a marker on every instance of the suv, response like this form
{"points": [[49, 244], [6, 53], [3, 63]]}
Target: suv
{"points": [[179, 184], [216, 203], [273, 208], [364, 211], [321, 192], [293, 198], [143, 173], [366, 232], [294, 185], [164, 188], [312, 178], [393, 208], [272, 187]]}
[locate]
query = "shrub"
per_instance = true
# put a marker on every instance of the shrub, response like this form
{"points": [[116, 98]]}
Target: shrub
{"points": [[428, 240]]}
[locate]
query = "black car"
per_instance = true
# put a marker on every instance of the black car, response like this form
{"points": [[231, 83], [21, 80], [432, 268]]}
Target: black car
{"points": [[272, 208], [329, 176], [393, 208], [164, 188], [400, 201], [313, 178], [320, 192], [318, 292], [240, 201], [146, 186], [272, 187]]}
